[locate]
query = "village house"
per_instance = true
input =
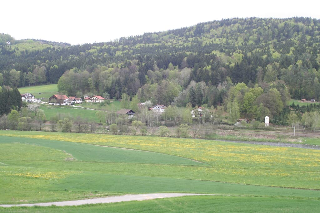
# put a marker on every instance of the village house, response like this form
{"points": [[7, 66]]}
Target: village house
{"points": [[97, 99], [58, 99], [145, 104], [158, 108], [74, 100], [78, 100], [94, 99], [128, 112], [197, 112], [28, 97], [87, 99]]}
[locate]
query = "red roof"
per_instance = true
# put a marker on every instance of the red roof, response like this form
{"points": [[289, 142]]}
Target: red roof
{"points": [[99, 97], [61, 97]]}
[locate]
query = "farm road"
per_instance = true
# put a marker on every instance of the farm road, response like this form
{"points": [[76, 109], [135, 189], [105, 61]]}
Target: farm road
{"points": [[111, 199]]}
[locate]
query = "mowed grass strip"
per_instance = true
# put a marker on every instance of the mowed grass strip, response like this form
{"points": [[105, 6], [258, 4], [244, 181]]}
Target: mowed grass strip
{"points": [[86, 152], [226, 162], [191, 204], [42, 91]]}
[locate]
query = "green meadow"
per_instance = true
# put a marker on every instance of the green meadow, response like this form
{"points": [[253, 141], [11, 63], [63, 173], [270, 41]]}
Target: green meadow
{"points": [[41, 92], [89, 112], [192, 204], [74, 112], [113, 106], [43, 167], [300, 103]]}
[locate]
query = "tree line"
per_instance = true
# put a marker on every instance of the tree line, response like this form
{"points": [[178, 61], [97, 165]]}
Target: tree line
{"points": [[9, 99], [196, 65], [248, 50]]}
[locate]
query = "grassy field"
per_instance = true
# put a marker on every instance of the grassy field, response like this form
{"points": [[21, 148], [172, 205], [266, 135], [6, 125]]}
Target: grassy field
{"points": [[112, 107], [312, 141], [300, 103], [41, 167], [86, 114], [89, 113], [193, 204], [44, 91]]}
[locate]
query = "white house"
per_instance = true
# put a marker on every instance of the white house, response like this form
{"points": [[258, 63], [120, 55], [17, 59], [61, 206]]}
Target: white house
{"points": [[73, 100], [97, 99], [196, 112], [28, 97], [87, 99], [158, 108]]}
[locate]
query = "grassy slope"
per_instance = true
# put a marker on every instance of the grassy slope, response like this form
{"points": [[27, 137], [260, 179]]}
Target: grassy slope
{"points": [[43, 91], [86, 114], [192, 204], [112, 107], [46, 91], [51, 174], [89, 115]]}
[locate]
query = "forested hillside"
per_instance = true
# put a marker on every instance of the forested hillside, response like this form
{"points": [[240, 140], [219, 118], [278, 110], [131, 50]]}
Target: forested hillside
{"points": [[196, 65]]}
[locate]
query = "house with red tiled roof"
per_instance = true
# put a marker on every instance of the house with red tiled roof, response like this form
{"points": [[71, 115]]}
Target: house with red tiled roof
{"points": [[97, 99], [58, 99], [73, 100], [87, 99]]}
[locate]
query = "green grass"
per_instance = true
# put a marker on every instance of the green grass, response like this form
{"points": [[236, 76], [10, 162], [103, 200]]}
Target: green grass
{"points": [[228, 162], [43, 91], [192, 204], [86, 114], [43, 167], [300, 103], [312, 141], [113, 106]]}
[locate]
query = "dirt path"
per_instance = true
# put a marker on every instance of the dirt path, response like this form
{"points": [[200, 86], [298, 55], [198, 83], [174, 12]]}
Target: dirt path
{"points": [[113, 199]]}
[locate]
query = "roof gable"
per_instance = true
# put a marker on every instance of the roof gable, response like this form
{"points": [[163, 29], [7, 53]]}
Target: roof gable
{"points": [[60, 97]]}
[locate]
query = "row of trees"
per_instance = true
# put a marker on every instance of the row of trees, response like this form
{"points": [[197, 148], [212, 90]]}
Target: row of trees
{"points": [[178, 122]]}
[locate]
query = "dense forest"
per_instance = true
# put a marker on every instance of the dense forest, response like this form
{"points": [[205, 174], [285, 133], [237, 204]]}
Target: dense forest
{"points": [[252, 65]]}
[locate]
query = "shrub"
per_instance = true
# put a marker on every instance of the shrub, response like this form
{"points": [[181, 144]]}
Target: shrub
{"points": [[114, 129], [164, 132], [143, 131], [182, 131]]}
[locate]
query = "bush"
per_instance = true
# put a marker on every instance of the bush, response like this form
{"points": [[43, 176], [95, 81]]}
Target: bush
{"points": [[182, 131], [255, 124], [65, 125], [114, 129], [164, 132], [143, 131]]}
